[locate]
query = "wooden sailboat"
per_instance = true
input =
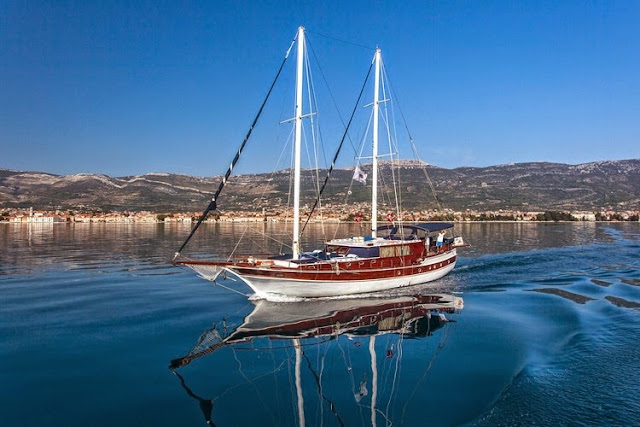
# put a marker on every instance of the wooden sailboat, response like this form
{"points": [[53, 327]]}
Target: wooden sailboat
{"points": [[392, 256]]}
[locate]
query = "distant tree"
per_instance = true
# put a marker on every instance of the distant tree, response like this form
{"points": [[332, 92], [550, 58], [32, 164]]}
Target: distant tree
{"points": [[442, 217], [555, 216]]}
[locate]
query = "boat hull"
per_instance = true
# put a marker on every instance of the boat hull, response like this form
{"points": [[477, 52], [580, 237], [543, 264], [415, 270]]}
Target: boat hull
{"points": [[331, 284]]}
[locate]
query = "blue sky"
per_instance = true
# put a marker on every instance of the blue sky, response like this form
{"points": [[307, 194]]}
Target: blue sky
{"points": [[126, 88]]}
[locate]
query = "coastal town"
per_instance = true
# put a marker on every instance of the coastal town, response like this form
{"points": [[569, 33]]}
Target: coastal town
{"points": [[353, 213]]}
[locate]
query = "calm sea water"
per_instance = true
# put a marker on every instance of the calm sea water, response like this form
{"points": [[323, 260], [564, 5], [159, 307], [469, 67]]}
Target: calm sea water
{"points": [[91, 316]]}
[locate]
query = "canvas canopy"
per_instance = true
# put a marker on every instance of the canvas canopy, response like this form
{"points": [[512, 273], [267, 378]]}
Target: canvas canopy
{"points": [[429, 227]]}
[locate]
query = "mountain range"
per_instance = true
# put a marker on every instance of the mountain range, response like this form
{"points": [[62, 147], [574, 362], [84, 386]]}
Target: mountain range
{"points": [[522, 186]]}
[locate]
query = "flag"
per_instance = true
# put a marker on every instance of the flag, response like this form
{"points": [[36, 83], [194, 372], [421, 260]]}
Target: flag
{"points": [[359, 175]]}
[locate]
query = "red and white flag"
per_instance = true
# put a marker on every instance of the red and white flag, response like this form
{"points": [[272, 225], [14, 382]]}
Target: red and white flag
{"points": [[359, 175]]}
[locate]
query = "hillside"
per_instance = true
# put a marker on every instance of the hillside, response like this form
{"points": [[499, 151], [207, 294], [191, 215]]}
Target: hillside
{"points": [[522, 186]]}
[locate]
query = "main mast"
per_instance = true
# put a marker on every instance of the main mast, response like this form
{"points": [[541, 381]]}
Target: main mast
{"points": [[374, 178], [296, 150]]}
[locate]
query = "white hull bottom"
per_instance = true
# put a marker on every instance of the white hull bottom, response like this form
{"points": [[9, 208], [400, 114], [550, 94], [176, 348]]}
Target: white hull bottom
{"points": [[314, 289], [266, 286]]}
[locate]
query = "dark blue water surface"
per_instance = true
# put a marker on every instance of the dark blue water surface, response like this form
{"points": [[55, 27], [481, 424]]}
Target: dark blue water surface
{"points": [[91, 317]]}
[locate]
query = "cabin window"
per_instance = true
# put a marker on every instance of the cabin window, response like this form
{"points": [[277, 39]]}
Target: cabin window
{"points": [[387, 251], [394, 251]]}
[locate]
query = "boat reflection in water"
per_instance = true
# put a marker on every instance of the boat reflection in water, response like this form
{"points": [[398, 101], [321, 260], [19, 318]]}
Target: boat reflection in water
{"points": [[336, 339]]}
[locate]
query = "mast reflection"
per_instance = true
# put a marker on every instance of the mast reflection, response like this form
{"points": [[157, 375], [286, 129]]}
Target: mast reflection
{"points": [[315, 324]]}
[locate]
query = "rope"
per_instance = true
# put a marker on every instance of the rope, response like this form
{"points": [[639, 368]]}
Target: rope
{"points": [[343, 41], [439, 347], [394, 162], [264, 191], [213, 204], [315, 140], [332, 406], [285, 346], [335, 157], [415, 149], [333, 99], [232, 290]]}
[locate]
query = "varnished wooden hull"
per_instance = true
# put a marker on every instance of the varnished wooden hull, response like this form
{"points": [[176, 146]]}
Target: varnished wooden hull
{"points": [[335, 281]]}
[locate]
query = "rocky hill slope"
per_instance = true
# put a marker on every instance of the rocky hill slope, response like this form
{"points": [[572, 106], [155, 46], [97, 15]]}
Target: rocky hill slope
{"points": [[522, 186]]}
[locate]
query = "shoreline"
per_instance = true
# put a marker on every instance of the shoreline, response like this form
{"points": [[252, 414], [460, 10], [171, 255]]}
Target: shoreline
{"points": [[289, 222]]}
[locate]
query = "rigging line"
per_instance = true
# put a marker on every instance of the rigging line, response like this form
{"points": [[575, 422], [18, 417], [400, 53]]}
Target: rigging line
{"points": [[228, 390], [397, 150], [378, 411], [372, 49], [335, 105], [332, 406], [275, 377], [321, 361], [285, 346], [213, 203], [268, 236], [415, 148], [393, 142], [315, 176], [394, 159], [383, 189], [231, 289], [441, 344], [238, 243], [363, 140], [311, 94], [291, 173], [396, 373], [333, 99], [273, 172], [313, 100], [255, 230], [335, 157], [253, 384], [357, 157], [315, 183], [255, 242], [346, 357], [264, 191]]}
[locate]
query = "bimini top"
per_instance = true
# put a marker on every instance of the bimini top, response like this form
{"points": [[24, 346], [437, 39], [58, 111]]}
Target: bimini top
{"points": [[424, 226]]}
